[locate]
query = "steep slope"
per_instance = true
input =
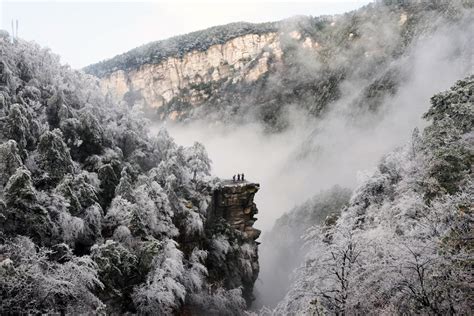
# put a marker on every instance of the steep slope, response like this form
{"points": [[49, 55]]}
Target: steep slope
{"points": [[283, 249], [245, 72], [404, 243], [97, 216]]}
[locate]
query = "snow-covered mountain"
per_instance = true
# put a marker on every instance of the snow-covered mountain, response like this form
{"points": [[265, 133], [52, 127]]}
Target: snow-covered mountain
{"points": [[102, 212], [256, 72], [96, 216], [403, 243]]}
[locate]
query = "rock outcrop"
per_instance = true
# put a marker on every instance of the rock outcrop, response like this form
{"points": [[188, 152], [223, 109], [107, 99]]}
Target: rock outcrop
{"points": [[233, 260], [190, 77], [246, 72], [173, 86], [234, 203]]}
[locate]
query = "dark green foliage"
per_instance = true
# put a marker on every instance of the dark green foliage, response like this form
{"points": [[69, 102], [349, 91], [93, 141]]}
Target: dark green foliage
{"points": [[92, 138], [451, 155], [10, 160], [108, 182], [455, 104], [53, 156], [19, 191], [81, 176], [79, 192], [118, 270], [316, 209], [375, 93], [22, 213], [55, 109]]}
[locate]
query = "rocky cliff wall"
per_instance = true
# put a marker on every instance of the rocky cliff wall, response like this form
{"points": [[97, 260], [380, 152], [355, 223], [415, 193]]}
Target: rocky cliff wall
{"points": [[153, 85], [234, 203], [233, 260], [253, 74], [244, 72]]}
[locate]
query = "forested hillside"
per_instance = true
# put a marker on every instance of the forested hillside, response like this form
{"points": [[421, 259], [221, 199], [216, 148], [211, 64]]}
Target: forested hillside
{"points": [[96, 216], [284, 248], [102, 212], [403, 244], [305, 63]]}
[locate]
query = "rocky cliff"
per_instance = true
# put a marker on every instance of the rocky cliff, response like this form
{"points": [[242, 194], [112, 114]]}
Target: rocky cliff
{"points": [[234, 202], [175, 83], [230, 228], [244, 71], [99, 217], [192, 75]]}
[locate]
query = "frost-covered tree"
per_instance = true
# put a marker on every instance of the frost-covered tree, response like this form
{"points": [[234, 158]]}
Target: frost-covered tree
{"points": [[10, 160], [55, 108], [23, 214], [53, 155], [402, 244], [124, 187], [152, 214], [164, 144], [117, 268], [115, 224], [17, 126], [108, 182], [91, 135], [197, 158], [80, 191], [163, 293], [31, 282], [450, 155]]}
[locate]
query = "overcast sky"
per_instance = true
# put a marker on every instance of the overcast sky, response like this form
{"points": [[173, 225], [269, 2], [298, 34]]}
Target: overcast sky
{"points": [[84, 32]]}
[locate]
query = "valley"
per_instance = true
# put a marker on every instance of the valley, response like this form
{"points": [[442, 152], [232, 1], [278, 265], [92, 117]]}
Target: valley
{"points": [[354, 132]]}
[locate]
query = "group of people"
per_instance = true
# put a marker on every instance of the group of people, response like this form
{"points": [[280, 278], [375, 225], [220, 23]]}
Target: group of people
{"points": [[240, 177]]}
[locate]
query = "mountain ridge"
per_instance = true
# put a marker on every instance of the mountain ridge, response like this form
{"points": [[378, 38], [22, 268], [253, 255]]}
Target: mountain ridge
{"points": [[259, 76]]}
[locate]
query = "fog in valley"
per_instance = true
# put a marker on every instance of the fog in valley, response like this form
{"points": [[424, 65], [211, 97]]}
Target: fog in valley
{"points": [[316, 154], [116, 195]]}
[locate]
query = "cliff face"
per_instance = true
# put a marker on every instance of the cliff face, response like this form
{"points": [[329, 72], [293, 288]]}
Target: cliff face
{"points": [[175, 85], [191, 76], [252, 72], [234, 203], [229, 228]]}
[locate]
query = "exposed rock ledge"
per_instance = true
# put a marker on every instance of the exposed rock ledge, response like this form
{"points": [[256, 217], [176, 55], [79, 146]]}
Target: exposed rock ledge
{"points": [[233, 201], [154, 85], [233, 204]]}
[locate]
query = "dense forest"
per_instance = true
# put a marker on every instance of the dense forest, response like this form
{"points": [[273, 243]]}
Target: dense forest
{"points": [[403, 242], [101, 212], [96, 216]]}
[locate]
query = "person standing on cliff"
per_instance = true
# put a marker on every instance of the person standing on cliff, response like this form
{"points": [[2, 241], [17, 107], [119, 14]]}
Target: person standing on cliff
{"points": [[242, 177], [233, 178], [238, 177]]}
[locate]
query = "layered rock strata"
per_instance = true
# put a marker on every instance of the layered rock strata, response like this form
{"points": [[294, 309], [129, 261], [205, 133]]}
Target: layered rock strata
{"points": [[154, 85], [234, 203]]}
